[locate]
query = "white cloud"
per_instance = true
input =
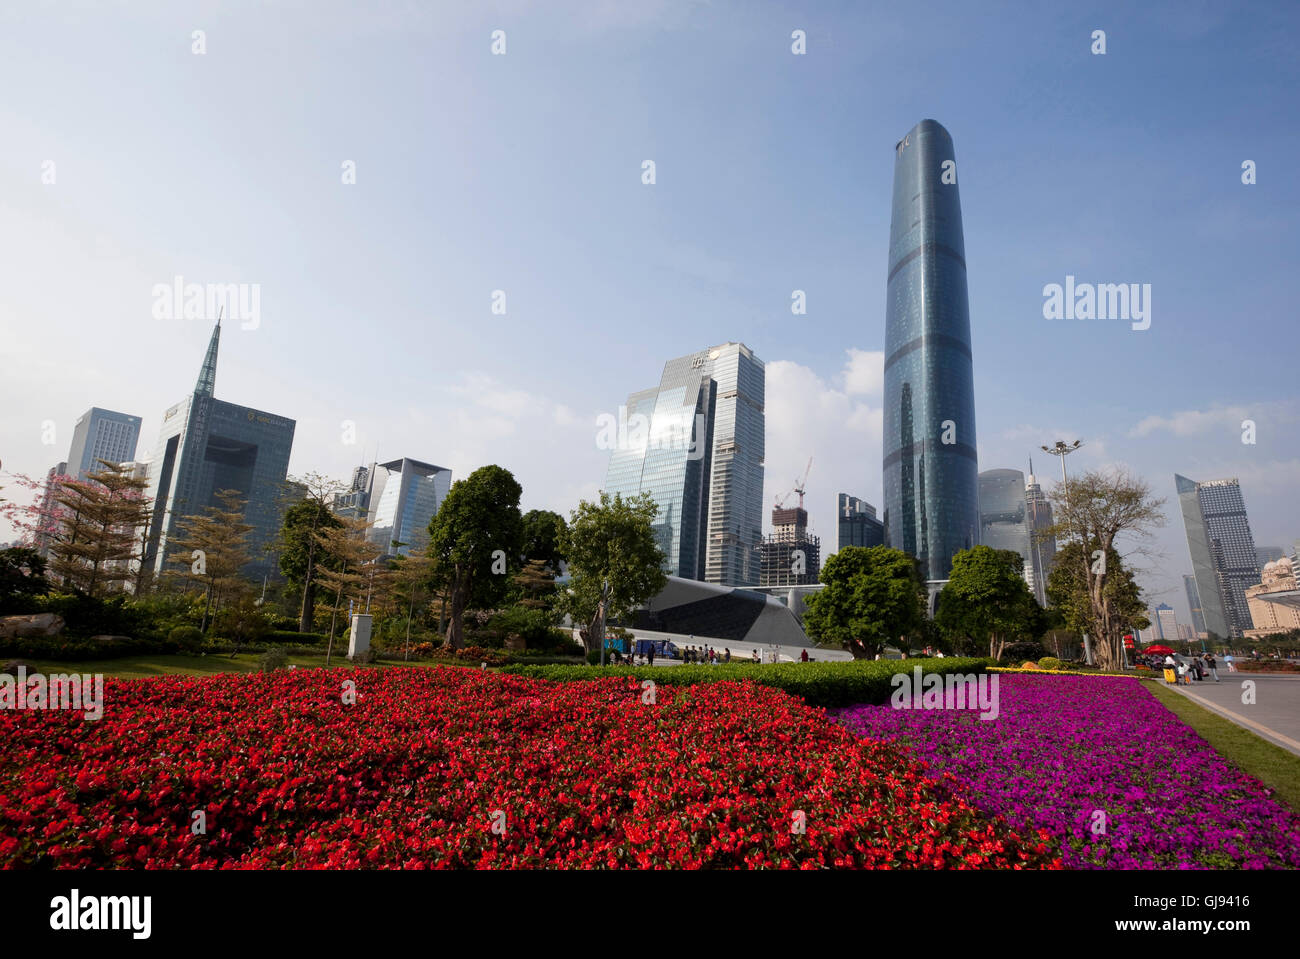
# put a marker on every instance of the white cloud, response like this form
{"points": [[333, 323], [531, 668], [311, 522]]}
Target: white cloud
{"points": [[808, 416], [1192, 422], [865, 373]]}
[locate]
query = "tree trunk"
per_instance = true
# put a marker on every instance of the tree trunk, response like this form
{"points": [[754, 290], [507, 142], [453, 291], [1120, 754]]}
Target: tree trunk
{"points": [[410, 609], [459, 600], [307, 612], [334, 615]]}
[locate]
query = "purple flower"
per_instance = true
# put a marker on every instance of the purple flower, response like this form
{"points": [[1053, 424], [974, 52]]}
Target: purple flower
{"points": [[1114, 777]]}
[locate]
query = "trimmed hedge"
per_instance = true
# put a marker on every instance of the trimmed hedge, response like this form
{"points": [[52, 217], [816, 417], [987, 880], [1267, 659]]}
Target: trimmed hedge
{"points": [[818, 684], [71, 649]]}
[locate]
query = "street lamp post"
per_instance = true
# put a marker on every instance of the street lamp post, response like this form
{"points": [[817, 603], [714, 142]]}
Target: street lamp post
{"points": [[1064, 449]]}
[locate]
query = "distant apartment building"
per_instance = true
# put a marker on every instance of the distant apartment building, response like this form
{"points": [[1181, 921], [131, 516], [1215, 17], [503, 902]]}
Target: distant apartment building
{"points": [[206, 445], [858, 525], [1164, 622], [102, 436], [1274, 602], [790, 556], [47, 518], [696, 445], [1222, 551]]}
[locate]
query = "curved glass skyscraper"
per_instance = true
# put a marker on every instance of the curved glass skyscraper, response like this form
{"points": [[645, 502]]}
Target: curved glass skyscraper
{"points": [[930, 469]]}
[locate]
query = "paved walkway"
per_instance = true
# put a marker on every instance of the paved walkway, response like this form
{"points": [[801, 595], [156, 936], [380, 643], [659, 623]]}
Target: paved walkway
{"points": [[1275, 714]]}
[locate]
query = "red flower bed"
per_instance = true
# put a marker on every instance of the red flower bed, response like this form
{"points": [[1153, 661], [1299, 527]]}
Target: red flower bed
{"points": [[413, 773]]}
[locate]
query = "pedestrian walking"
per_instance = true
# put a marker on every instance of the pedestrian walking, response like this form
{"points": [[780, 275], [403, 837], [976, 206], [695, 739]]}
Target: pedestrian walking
{"points": [[803, 657], [756, 659], [650, 655], [1211, 665], [727, 657], [1232, 665]]}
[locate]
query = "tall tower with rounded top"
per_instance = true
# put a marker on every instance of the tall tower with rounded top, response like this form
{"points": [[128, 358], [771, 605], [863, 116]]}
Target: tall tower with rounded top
{"points": [[931, 475]]}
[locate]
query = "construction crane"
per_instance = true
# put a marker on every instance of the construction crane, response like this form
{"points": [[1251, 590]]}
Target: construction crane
{"points": [[800, 485]]}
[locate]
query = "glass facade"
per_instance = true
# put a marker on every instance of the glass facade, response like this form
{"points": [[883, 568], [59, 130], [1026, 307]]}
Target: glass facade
{"points": [[696, 445], [1042, 544], [1222, 548], [1194, 604], [858, 525], [102, 435], [930, 465], [1004, 515], [411, 494], [207, 445]]}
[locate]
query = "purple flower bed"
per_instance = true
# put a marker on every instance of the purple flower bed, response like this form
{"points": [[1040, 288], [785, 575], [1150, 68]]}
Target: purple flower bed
{"points": [[1065, 746]]}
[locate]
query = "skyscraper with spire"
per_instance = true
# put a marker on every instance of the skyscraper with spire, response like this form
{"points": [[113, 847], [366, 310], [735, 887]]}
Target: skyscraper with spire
{"points": [[207, 445]]}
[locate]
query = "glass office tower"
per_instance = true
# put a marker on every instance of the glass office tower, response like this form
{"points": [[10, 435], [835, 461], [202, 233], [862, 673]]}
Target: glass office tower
{"points": [[858, 525], [696, 445], [1194, 604], [1222, 550], [409, 493], [207, 445], [930, 466], [1004, 516]]}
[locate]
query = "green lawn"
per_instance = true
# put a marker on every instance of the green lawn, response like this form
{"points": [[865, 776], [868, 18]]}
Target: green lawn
{"points": [[1272, 765], [137, 667]]}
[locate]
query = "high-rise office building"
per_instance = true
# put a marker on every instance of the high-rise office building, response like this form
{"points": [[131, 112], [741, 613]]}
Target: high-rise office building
{"points": [[858, 525], [102, 435], [1165, 622], [1042, 545], [790, 556], [696, 444], [930, 466], [1004, 516], [207, 445], [1194, 603], [406, 495], [1222, 551]]}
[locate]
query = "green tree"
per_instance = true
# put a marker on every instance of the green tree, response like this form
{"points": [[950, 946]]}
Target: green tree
{"points": [[345, 566], [474, 538], [1069, 594], [22, 578], [211, 550], [987, 600], [615, 563], [543, 538], [96, 538], [872, 596], [1099, 508], [299, 543]]}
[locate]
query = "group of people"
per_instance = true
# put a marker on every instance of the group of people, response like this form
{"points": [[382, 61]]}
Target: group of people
{"points": [[1187, 668], [705, 655]]}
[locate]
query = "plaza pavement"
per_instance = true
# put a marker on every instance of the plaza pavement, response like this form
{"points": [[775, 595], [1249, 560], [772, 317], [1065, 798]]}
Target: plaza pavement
{"points": [[1275, 714]]}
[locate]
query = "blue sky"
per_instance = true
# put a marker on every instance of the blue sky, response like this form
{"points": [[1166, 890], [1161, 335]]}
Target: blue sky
{"points": [[522, 173]]}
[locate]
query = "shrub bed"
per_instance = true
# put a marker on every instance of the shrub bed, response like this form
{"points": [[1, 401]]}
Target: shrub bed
{"points": [[818, 684]]}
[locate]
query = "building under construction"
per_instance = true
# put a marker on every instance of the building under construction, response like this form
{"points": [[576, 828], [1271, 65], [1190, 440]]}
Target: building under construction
{"points": [[789, 557]]}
